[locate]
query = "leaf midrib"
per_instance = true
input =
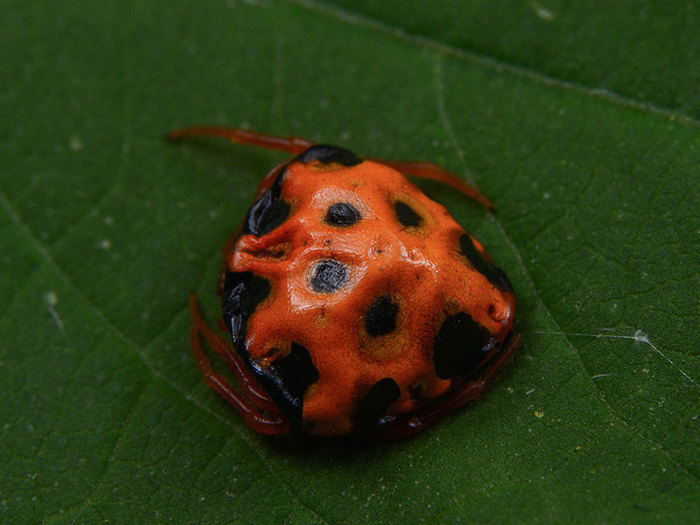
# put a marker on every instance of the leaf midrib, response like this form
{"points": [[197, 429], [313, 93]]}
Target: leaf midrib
{"points": [[490, 62]]}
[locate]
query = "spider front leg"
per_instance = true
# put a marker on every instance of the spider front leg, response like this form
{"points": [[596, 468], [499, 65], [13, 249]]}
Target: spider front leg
{"points": [[294, 145], [431, 171], [250, 403], [297, 145]]}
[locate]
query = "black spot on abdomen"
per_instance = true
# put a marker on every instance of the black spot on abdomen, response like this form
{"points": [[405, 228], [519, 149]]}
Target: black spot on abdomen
{"points": [[373, 406], [460, 345], [328, 276], [326, 154], [342, 214], [495, 275], [242, 293], [268, 212], [380, 317], [287, 379], [406, 215]]}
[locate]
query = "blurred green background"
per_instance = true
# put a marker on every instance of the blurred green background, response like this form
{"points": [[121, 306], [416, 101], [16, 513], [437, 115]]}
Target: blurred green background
{"points": [[581, 122]]}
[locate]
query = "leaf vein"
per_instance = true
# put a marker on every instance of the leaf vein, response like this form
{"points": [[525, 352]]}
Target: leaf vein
{"points": [[601, 396], [46, 255], [87, 499], [488, 61]]}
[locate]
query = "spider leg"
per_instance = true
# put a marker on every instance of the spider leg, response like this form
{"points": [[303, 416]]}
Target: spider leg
{"points": [[404, 428], [294, 145], [248, 406], [430, 171], [256, 394], [297, 145]]}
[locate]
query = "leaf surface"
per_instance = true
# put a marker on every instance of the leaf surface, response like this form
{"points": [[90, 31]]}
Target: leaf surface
{"points": [[579, 123]]}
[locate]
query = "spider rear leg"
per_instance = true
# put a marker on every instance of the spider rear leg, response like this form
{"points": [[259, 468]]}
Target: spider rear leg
{"points": [[252, 401], [471, 390]]}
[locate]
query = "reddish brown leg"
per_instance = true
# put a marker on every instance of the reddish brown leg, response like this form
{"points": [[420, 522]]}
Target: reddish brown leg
{"points": [[470, 391], [430, 171], [294, 145], [257, 396], [248, 406]]}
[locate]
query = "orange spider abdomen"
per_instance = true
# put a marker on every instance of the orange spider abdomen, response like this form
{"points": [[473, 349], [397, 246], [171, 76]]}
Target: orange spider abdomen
{"points": [[356, 300]]}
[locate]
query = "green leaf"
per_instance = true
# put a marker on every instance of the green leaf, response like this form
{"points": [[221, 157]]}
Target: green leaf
{"points": [[579, 121]]}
